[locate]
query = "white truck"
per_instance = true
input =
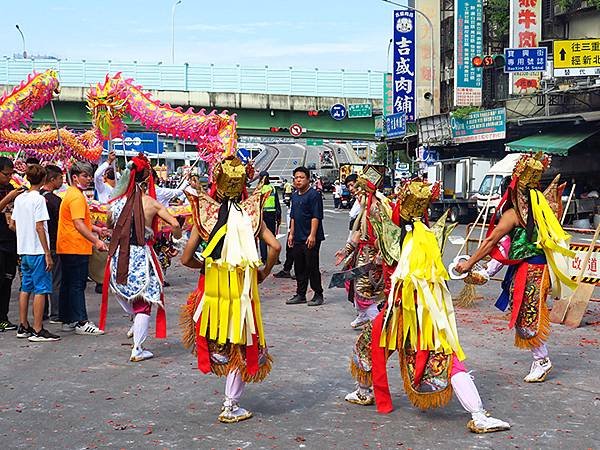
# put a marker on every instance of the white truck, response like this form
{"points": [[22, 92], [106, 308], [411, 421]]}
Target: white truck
{"points": [[460, 180]]}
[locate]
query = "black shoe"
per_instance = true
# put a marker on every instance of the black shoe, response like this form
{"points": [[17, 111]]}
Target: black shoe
{"points": [[24, 332], [316, 300], [98, 288], [7, 325], [296, 300], [282, 274], [43, 336]]}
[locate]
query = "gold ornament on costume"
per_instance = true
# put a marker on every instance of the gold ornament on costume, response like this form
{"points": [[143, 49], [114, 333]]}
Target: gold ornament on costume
{"points": [[370, 175], [529, 170], [230, 177], [415, 197]]}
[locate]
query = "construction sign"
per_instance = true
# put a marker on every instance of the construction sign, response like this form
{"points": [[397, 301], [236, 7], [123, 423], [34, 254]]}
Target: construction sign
{"points": [[592, 272], [575, 58]]}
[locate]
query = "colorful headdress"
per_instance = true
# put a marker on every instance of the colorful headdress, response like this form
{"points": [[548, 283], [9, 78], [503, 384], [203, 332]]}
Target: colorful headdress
{"points": [[230, 175], [529, 170], [415, 196], [370, 180]]}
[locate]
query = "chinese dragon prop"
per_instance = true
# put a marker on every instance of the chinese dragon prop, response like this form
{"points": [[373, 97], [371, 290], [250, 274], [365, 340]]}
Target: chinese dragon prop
{"points": [[214, 134], [17, 108]]}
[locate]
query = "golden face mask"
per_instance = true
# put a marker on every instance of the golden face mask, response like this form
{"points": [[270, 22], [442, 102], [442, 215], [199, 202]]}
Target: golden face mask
{"points": [[230, 177], [414, 199], [529, 169]]}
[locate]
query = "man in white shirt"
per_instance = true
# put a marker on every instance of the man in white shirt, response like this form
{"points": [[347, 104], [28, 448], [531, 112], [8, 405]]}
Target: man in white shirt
{"points": [[165, 195], [31, 217], [105, 179]]}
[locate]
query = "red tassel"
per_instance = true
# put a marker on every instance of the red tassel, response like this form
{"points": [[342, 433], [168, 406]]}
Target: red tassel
{"points": [[381, 389], [420, 363], [252, 356], [519, 284]]}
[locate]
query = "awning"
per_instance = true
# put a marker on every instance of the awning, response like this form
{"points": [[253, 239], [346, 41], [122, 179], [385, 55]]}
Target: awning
{"points": [[553, 143]]}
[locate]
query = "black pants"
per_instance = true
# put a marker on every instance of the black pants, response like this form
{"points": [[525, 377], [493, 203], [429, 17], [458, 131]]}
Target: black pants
{"points": [[270, 219], [8, 270], [306, 264], [289, 258]]}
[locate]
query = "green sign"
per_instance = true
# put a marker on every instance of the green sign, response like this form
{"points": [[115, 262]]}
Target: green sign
{"points": [[314, 142], [359, 110], [388, 94], [379, 126]]}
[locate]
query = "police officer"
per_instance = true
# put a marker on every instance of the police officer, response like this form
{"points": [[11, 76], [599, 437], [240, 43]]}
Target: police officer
{"points": [[271, 210]]}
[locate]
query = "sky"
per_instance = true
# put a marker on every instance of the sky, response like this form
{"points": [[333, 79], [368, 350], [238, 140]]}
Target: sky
{"points": [[326, 34]]}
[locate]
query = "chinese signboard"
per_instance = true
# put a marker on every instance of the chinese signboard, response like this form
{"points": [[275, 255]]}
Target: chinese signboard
{"points": [[576, 58], [468, 37], [359, 110], [592, 272], [525, 59], [395, 125], [479, 126], [388, 94], [404, 64], [423, 64], [525, 32], [378, 126]]}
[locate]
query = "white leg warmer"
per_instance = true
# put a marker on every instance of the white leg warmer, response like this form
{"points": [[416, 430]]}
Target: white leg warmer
{"points": [[234, 387], [466, 392], [540, 352], [140, 330]]}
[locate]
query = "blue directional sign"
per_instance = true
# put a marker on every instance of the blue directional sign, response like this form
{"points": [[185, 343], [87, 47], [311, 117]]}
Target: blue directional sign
{"points": [[145, 142], [243, 154], [338, 111], [525, 59], [395, 125]]}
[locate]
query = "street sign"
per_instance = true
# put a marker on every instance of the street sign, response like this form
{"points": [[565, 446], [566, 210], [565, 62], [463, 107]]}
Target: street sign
{"points": [[574, 58], [359, 110], [314, 142], [379, 126], [243, 154], [479, 126], [402, 167], [395, 125], [338, 111], [295, 129], [525, 59], [145, 142]]}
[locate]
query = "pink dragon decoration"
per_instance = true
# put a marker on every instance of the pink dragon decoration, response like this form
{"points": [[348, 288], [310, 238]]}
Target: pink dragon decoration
{"points": [[17, 108], [214, 134]]}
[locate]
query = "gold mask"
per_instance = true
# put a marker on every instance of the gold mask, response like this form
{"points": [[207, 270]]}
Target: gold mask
{"points": [[529, 169], [230, 177], [414, 199]]}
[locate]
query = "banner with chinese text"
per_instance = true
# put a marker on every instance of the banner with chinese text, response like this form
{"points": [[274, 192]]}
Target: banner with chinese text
{"points": [[468, 38], [479, 126], [525, 32], [404, 64]]}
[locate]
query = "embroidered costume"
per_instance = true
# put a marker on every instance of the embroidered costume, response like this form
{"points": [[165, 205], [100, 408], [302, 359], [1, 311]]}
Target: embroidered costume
{"points": [[418, 322]]}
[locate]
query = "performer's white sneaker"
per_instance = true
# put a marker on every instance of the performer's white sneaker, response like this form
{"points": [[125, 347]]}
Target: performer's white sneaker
{"points": [[540, 368], [361, 397], [233, 413], [359, 322], [138, 355], [481, 423]]}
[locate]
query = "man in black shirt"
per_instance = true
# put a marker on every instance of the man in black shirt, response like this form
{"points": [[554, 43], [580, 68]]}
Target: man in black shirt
{"points": [[305, 236], [54, 180], [8, 241]]}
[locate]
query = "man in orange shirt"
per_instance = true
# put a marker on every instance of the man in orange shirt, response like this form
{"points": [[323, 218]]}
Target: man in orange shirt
{"points": [[75, 239]]}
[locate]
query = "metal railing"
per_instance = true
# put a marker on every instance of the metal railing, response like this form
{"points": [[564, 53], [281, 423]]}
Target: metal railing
{"points": [[206, 78]]}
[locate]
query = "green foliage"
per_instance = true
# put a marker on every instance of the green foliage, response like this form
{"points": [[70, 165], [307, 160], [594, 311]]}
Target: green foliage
{"points": [[497, 12], [463, 111], [380, 154]]}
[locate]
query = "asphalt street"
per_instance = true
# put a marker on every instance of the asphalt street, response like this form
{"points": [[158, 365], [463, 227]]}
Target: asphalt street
{"points": [[82, 392]]}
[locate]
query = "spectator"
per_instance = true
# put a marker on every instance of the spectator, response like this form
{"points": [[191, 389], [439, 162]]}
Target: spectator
{"points": [[271, 211], [74, 245], [286, 271], [32, 160], [318, 184], [105, 179], [165, 195], [54, 181], [8, 241], [31, 221], [337, 194], [350, 183], [305, 236]]}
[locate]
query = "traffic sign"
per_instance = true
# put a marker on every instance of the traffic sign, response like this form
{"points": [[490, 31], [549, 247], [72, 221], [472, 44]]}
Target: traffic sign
{"points": [[525, 59], [576, 57], [395, 125], [359, 110], [338, 111], [295, 129], [314, 142]]}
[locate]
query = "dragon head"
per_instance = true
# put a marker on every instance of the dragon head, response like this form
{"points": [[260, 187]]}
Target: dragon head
{"points": [[107, 105]]}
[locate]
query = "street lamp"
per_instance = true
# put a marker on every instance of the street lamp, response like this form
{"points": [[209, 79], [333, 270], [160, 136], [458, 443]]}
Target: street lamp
{"points": [[23, 39], [432, 65], [388, 55], [173, 31]]}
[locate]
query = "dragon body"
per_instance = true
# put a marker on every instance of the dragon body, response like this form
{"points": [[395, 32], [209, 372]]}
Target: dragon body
{"points": [[214, 133], [17, 107]]}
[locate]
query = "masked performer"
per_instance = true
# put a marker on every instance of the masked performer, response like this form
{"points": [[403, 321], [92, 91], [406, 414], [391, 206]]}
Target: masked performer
{"points": [[418, 321], [537, 258], [222, 320], [361, 250], [133, 271]]}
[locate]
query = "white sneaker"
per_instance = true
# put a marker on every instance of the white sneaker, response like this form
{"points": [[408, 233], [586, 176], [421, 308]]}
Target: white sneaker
{"points": [[540, 368], [138, 355], [89, 328], [359, 322], [361, 397], [234, 413], [67, 327], [481, 423]]}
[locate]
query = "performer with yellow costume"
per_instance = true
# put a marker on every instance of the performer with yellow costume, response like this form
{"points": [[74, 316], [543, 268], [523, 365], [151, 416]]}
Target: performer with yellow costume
{"points": [[537, 259], [222, 320], [418, 321]]}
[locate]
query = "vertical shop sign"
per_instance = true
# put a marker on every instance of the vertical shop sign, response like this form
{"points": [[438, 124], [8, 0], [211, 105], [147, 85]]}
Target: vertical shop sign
{"points": [[525, 32], [468, 32], [404, 64]]}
